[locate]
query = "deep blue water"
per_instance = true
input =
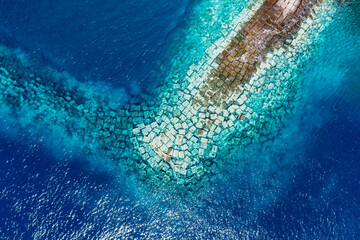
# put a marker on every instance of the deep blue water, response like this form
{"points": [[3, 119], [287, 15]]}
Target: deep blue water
{"points": [[59, 195], [118, 42]]}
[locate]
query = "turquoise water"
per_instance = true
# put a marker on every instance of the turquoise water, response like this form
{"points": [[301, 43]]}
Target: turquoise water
{"points": [[302, 183], [205, 23]]}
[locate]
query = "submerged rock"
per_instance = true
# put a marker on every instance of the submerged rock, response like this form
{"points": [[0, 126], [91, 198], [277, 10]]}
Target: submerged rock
{"points": [[238, 94]]}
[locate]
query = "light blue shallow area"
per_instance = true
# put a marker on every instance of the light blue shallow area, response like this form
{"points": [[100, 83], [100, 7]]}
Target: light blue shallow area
{"points": [[47, 194]]}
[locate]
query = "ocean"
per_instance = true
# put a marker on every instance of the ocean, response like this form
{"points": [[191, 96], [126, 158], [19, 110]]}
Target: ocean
{"points": [[304, 183]]}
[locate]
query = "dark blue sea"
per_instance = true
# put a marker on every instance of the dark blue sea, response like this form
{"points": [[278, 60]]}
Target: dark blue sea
{"points": [[59, 194]]}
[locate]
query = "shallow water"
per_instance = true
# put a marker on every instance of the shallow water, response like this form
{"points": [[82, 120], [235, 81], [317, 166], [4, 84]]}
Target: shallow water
{"points": [[302, 184]]}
